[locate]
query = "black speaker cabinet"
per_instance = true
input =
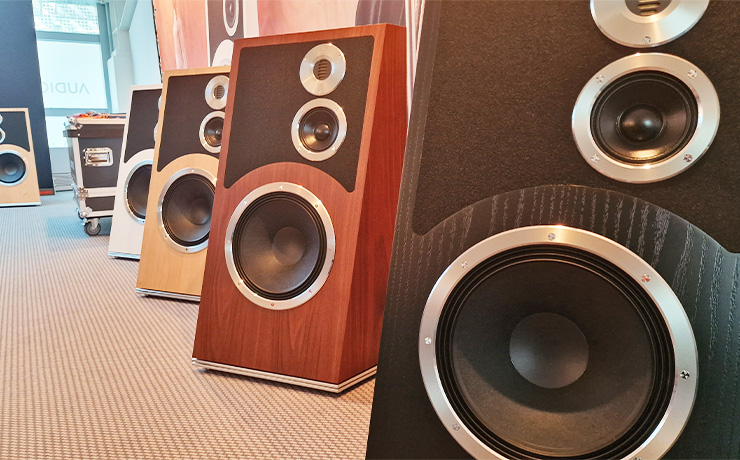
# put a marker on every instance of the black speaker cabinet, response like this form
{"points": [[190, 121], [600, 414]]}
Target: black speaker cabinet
{"points": [[19, 184], [565, 276]]}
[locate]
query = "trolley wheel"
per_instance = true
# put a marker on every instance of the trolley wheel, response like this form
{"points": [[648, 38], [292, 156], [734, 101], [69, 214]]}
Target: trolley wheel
{"points": [[92, 227], [79, 214]]}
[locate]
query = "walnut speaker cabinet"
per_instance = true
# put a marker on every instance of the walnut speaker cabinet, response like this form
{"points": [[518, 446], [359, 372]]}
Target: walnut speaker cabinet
{"points": [[565, 267], [135, 172], [18, 181], [305, 207], [183, 180]]}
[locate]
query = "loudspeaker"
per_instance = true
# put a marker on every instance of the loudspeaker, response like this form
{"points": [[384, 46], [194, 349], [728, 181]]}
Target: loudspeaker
{"points": [[226, 21], [183, 180], [565, 271], [135, 172], [19, 184], [305, 206]]}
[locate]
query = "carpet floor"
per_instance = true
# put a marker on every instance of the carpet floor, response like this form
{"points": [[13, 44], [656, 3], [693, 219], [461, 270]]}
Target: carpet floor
{"points": [[90, 370]]}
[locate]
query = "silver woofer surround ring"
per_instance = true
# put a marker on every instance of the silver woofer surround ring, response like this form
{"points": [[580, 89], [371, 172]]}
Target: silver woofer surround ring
{"points": [[684, 346], [616, 21], [202, 131], [341, 129], [212, 90], [13, 150], [160, 221], [707, 121], [126, 185], [328, 262], [319, 53]]}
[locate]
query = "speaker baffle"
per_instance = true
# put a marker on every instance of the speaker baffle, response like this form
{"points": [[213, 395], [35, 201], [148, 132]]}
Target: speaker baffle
{"points": [[645, 118], [217, 88], [13, 168], [505, 386], [322, 69], [211, 131], [184, 209], [318, 130], [136, 190], [222, 57], [646, 23], [231, 16], [280, 246]]}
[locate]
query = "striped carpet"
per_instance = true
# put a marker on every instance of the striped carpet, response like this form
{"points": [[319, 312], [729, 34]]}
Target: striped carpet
{"points": [[89, 370]]}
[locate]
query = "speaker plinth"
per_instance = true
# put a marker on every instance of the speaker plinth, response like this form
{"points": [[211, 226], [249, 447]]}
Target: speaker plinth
{"points": [[279, 245], [522, 345], [184, 210], [136, 190], [12, 168]]}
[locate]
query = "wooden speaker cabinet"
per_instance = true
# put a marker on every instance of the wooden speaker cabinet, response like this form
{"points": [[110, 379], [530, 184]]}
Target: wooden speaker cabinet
{"points": [[176, 231], [19, 184], [304, 211]]}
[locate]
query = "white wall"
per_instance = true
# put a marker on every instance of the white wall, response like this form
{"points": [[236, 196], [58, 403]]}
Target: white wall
{"points": [[143, 40]]}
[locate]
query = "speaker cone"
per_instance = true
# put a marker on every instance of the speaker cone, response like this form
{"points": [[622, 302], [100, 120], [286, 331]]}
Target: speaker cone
{"points": [[280, 245], [319, 128], [551, 351], [136, 190], [644, 117], [211, 131], [185, 210], [12, 168]]}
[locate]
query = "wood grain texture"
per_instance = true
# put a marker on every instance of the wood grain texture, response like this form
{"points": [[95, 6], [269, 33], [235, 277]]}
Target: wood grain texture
{"points": [[28, 190], [335, 335], [161, 267], [291, 16], [181, 33]]}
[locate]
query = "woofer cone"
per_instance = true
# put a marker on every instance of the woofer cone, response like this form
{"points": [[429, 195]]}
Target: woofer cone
{"points": [[136, 190], [319, 128], [279, 246], [211, 131], [13, 168], [184, 210], [645, 118], [524, 342]]}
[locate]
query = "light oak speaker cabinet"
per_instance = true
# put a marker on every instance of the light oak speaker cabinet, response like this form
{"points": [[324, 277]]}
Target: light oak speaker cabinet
{"points": [[186, 157], [305, 204], [18, 181]]}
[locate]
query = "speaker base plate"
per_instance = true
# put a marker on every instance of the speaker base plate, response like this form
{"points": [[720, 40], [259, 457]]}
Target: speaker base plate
{"points": [[123, 255], [168, 295], [289, 379]]}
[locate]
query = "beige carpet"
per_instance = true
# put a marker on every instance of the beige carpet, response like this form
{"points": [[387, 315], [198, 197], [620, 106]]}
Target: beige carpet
{"points": [[89, 370]]}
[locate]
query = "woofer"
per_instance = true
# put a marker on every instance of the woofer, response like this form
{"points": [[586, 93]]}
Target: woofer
{"points": [[646, 23], [184, 209], [322, 69], [319, 128], [279, 245], [231, 16], [13, 169], [522, 346], [136, 190], [211, 131], [645, 117]]}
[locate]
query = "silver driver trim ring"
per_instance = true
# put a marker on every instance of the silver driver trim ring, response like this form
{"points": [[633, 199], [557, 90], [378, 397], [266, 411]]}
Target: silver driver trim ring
{"points": [[706, 128], [296, 127], [20, 153], [213, 102], [126, 183], [230, 30], [160, 222], [328, 262], [202, 131], [684, 346], [338, 62], [623, 26]]}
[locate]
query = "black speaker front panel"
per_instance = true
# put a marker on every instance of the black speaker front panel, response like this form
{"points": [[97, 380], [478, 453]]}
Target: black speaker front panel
{"points": [[184, 107], [268, 95], [142, 119], [704, 276], [489, 143], [15, 128], [504, 78]]}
